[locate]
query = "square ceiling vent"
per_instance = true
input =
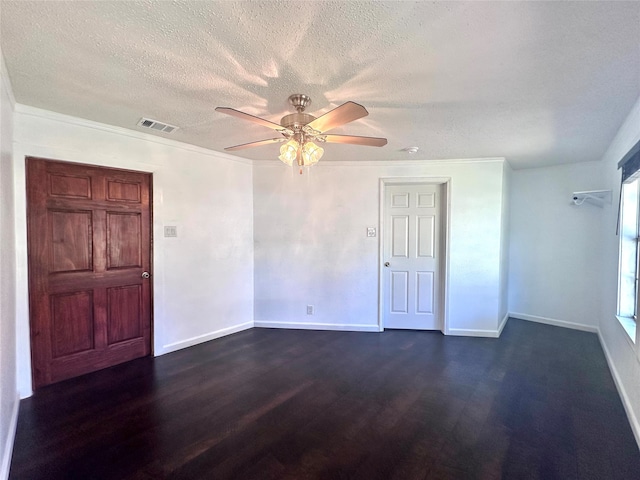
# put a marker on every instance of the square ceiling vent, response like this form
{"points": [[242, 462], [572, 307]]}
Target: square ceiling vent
{"points": [[156, 125]]}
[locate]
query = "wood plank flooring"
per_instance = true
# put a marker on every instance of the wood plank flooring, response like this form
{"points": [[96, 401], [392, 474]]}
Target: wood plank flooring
{"points": [[538, 403]]}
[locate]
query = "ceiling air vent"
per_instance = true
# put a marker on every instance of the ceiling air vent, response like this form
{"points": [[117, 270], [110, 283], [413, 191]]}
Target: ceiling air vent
{"points": [[155, 125]]}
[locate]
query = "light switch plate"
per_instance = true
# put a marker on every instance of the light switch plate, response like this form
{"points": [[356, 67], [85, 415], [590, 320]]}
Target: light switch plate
{"points": [[371, 231], [170, 231]]}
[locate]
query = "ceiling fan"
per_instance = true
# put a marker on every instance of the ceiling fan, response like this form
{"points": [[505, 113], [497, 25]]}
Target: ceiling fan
{"points": [[300, 130]]}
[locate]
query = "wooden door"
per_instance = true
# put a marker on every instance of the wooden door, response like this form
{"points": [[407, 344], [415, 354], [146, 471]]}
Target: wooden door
{"points": [[89, 242], [412, 256]]}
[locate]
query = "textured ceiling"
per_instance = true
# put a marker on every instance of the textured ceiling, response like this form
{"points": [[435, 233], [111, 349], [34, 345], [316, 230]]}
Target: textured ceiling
{"points": [[539, 83]]}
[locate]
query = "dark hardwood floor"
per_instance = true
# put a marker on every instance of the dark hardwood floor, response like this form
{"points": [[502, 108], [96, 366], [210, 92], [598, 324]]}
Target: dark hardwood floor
{"points": [[288, 404]]}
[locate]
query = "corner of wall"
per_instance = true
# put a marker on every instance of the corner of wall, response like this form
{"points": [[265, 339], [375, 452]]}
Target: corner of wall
{"points": [[9, 400], [505, 242], [7, 451], [253, 243], [6, 81]]}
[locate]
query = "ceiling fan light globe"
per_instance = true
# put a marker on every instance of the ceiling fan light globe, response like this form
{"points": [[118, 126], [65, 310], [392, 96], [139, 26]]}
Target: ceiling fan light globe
{"points": [[289, 152], [311, 153]]}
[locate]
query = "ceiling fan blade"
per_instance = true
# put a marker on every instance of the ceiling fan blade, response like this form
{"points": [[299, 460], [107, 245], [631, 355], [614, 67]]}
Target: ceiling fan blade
{"points": [[355, 140], [345, 113], [255, 144], [252, 118]]}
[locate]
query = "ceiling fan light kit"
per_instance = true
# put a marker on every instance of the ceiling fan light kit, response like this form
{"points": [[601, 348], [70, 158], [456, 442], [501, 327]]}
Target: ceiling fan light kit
{"points": [[306, 156], [300, 130]]}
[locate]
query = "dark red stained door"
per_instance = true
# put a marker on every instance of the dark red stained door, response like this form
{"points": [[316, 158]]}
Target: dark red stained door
{"points": [[89, 242]]}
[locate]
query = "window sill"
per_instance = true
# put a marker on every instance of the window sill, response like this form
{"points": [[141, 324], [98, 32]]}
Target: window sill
{"points": [[629, 326]]}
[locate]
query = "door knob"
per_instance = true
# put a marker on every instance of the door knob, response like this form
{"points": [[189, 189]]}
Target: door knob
{"points": [[145, 275], [386, 264]]}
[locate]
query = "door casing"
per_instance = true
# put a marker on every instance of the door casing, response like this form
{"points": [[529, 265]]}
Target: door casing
{"points": [[445, 182]]}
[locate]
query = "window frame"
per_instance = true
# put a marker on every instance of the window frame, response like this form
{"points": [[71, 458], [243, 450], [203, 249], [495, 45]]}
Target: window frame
{"points": [[627, 305], [628, 298]]}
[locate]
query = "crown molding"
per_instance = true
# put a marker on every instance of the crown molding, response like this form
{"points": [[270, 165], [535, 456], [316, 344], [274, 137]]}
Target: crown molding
{"points": [[6, 81], [390, 163], [84, 123]]}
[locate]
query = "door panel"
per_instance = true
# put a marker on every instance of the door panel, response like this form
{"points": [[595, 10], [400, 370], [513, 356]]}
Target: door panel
{"points": [[71, 241], [118, 191], [89, 241], [425, 289], [400, 200], [124, 236], [399, 292], [412, 257], [69, 186], [71, 323], [426, 200], [426, 234], [400, 236], [123, 313]]}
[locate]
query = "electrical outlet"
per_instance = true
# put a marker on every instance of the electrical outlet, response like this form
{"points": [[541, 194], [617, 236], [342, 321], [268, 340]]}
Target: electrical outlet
{"points": [[309, 309], [371, 231]]}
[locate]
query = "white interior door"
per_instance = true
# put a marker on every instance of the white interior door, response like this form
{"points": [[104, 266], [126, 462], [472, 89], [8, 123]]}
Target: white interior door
{"points": [[411, 256]]}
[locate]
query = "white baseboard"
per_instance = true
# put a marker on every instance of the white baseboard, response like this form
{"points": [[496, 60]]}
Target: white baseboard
{"points": [[319, 326], [633, 420], [463, 332], [8, 444], [554, 322], [189, 342]]}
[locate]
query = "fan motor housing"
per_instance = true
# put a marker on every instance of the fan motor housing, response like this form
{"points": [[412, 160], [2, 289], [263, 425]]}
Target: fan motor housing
{"points": [[295, 121]]}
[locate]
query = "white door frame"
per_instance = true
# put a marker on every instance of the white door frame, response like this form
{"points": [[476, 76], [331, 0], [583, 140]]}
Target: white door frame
{"points": [[444, 238]]}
